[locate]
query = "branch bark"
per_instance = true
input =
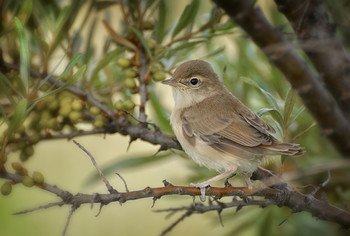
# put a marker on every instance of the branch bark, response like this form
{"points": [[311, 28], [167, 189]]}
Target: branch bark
{"points": [[279, 195], [282, 53], [317, 38]]}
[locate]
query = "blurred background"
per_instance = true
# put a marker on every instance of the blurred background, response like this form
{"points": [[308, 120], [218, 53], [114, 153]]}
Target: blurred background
{"points": [[69, 40]]}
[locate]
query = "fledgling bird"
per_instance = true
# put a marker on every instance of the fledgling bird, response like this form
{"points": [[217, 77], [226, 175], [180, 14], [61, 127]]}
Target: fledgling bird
{"points": [[217, 130]]}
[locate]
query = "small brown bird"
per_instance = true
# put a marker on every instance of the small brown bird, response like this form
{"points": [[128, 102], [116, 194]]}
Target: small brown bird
{"points": [[215, 128]]}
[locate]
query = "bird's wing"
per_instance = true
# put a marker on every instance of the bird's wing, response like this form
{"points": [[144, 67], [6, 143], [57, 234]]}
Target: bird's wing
{"points": [[234, 123]]}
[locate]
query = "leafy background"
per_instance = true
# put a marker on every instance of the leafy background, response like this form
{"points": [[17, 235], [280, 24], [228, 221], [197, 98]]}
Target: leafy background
{"points": [[83, 43]]}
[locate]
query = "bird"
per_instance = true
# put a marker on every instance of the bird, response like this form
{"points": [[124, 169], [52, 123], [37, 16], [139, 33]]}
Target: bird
{"points": [[216, 129]]}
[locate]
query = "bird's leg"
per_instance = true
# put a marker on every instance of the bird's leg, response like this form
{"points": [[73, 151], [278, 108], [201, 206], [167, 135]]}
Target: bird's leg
{"points": [[206, 183], [247, 177]]}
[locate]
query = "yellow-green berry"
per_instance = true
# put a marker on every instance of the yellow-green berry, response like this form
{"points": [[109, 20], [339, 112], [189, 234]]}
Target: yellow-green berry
{"points": [[53, 106], [34, 138], [74, 116], [28, 181], [21, 145], [77, 105], [119, 105], [123, 62], [155, 69], [38, 177], [29, 150], [65, 110], [17, 166], [95, 110], [26, 153], [130, 73], [23, 156], [51, 123], [129, 105], [98, 123], [6, 189], [159, 76], [130, 83]]}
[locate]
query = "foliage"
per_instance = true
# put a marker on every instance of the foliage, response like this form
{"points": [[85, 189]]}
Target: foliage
{"points": [[140, 49]]}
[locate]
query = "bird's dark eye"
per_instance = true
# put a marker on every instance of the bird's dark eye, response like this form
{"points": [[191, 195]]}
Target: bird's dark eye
{"points": [[194, 81]]}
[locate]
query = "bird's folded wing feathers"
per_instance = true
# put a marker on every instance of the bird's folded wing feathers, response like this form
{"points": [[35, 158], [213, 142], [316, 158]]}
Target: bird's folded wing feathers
{"points": [[243, 127]]}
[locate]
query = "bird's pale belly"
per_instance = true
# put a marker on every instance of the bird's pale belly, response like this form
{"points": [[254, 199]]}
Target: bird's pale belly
{"points": [[205, 155]]}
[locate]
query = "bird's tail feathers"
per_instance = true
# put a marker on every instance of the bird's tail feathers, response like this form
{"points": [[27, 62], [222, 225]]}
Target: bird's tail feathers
{"points": [[289, 149]]}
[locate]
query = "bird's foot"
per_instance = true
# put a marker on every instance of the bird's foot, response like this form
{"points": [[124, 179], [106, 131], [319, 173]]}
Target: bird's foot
{"points": [[202, 187]]}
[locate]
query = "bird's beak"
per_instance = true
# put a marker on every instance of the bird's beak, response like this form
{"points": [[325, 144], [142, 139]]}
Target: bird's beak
{"points": [[170, 81], [173, 82]]}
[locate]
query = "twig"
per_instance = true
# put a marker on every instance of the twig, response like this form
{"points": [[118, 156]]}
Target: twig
{"points": [[61, 203], [109, 187], [126, 186], [167, 230], [143, 83], [322, 185], [285, 220], [72, 210]]}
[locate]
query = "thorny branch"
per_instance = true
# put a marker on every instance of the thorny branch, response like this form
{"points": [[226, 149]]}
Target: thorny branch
{"points": [[280, 195]]}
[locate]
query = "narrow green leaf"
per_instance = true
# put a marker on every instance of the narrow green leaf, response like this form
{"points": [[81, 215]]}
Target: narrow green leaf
{"points": [[125, 163], [71, 64], [296, 115], [142, 40], [25, 11], [288, 105], [215, 15], [5, 84], [186, 45], [162, 18], [187, 17], [304, 131], [275, 115], [215, 52], [249, 81], [18, 116], [262, 111], [104, 61], [24, 55], [271, 100], [269, 97], [162, 119], [225, 27], [77, 75], [279, 128]]}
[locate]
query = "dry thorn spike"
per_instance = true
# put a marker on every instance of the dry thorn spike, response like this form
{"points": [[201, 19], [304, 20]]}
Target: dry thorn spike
{"points": [[99, 210], [167, 230], [40, 207], [95, 197], [125, 184], [322, 184], [166, 183], [283, 221], [73, 208], [143, 122]]}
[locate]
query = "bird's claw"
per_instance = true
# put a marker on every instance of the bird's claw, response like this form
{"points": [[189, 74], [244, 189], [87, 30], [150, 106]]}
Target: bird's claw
{"points": [[202, 187]]}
